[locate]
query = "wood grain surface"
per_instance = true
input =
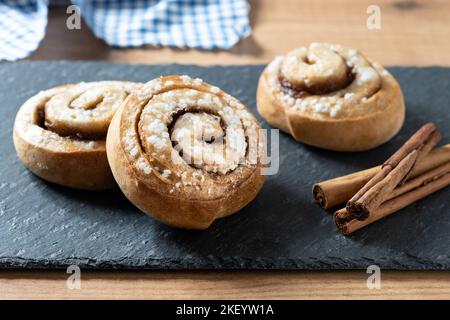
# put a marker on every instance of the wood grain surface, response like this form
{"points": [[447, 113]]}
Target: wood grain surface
{"points": [[412, 33], [224, 285]]}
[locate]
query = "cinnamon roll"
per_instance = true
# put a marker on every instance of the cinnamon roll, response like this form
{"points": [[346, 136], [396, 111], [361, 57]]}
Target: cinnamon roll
{"points": [[185, 152], [331, 97], [59, 134]]}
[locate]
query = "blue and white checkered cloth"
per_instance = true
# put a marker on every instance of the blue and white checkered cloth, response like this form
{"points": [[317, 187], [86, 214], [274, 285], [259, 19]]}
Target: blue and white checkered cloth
{"points": [[200, 24]]}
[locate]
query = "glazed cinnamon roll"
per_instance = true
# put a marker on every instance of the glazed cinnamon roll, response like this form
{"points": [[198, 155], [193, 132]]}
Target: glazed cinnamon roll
{"points": [[60, 133], [331, 97], [185, 152]]}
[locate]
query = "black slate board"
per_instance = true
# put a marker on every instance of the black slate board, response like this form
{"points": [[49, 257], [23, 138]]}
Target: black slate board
{"points": [[47, 226]]}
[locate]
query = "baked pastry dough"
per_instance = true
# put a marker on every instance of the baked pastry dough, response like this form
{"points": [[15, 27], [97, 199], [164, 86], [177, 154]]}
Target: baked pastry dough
{"points": [[59, 134], [185, 152], [331, 97]]}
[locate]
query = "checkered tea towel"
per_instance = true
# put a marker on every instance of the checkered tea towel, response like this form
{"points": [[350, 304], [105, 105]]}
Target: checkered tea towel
{"points": [[200, 24]]}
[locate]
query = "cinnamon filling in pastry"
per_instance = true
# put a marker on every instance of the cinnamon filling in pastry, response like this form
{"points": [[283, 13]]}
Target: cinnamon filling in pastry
{"points": [[81, 113], [43, 123], [325, 79], [201, 138], [299, 92], [204, 136]]}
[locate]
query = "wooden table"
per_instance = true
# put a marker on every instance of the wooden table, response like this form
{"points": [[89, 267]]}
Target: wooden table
{"points": [[412, 33]]}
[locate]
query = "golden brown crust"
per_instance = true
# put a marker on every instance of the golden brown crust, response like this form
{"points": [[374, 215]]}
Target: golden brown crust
{"points": [[160, 181], [66, 160], [360, 116]]}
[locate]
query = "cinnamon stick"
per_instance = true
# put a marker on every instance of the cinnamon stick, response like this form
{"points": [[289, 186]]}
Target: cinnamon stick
{"points": [[393, 172], [408, 193], [376, 195], [338, 190], [425, 149]]}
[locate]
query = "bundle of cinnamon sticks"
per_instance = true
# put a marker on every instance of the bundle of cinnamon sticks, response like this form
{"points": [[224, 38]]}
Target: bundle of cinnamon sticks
{"points": [[413, 172]]}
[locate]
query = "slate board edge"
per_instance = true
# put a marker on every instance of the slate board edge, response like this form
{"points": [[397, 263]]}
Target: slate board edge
{"points": [[212, 66], [217, 263]]}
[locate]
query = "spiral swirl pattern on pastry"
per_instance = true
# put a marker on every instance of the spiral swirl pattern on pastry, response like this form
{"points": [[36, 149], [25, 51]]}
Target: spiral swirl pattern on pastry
{"points": [[185, 152], [60, 133], [327, 89]]}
